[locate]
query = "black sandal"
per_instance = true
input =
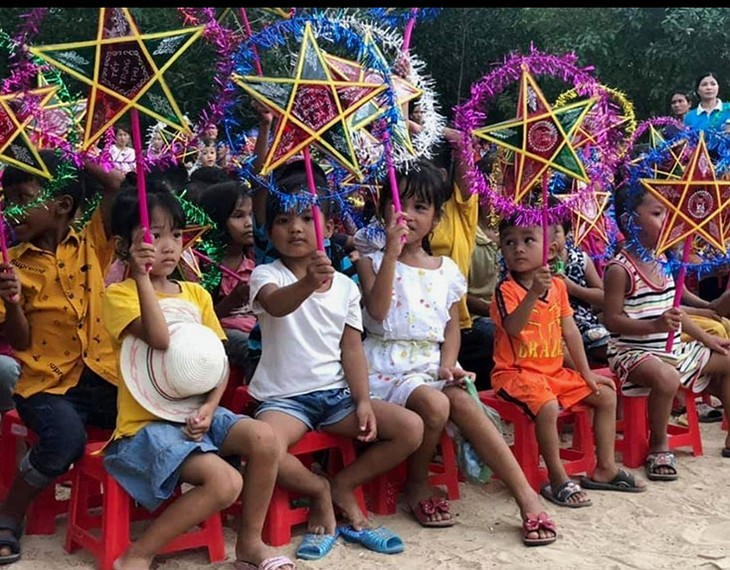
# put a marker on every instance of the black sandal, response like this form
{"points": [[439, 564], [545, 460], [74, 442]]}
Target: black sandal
{"points": [[12, 541]]}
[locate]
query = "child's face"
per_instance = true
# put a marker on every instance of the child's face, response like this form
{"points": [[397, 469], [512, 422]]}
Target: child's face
{"points": [[35, 221], [211, 131], [558, 238], [208, 156], [157, 142], [168, 242], [420, 217], [122, 138], [522, 248], [240, 222], [650, 216], [292, 233]]}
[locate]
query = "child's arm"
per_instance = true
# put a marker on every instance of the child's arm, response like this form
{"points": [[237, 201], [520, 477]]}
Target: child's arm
{"points": [[593, 293], [477, 305], [712, 342], [150, 326], [236, 298], [261, 147], [377, 288], [616, 284], [517, 319], [691, 300], [280, 301], [198, 424], [356, 371], [15, 328], [450, 348], [574, 342]]}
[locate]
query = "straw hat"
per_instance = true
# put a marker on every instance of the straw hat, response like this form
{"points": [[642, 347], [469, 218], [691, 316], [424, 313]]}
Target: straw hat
{"points": [[172, 384]]}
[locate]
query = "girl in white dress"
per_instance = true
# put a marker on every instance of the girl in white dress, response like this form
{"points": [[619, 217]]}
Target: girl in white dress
{"points": [[412, 321]]}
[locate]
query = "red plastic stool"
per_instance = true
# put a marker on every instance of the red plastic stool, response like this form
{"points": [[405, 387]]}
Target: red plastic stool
{"points": [[41, 516], [116, 514], [282, 514], [580, 457], [634, 427], [382, 492], [236, 379]]}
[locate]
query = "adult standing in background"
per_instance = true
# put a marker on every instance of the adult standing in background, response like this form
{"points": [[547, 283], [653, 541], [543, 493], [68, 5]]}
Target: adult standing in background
{"points": [[711, 114]]}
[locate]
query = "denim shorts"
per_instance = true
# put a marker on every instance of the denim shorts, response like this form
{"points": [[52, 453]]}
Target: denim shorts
{"points": [[315, 409], [147, 465]]}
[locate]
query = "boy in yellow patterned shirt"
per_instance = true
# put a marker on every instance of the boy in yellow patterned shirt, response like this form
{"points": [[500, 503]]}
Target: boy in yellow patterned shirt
{"points": [[52, 291]]}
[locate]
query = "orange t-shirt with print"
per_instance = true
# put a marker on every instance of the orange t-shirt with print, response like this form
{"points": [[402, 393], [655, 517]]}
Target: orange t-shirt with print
{"points": [[539, 346]]}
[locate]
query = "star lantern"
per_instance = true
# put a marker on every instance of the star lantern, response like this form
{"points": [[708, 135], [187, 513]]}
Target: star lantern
{"points": [[57, 119], [540, 137], [589, 221], [313, 107], [124, 70]]}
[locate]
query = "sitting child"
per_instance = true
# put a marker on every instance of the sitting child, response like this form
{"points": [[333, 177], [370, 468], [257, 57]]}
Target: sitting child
{"points": [[313, 374], [161, 441], [533, 317], [638, 310]]}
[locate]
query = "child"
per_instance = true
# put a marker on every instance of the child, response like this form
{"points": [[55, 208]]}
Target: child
{"points": [[533, 318], [52, 292], [150, 456], [207, 153], [121, 153], [585, 291], [638, 310], [412, 323], [230, 208], [313, 374]]}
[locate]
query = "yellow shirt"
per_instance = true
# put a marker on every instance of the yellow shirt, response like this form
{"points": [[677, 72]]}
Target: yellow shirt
{"points": [[61, 297], [121, 308], [454, 237]]}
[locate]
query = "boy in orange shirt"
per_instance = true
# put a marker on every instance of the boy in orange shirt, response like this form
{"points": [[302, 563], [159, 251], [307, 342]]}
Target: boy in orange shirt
{"points": [[51, 295], [532, 315]]}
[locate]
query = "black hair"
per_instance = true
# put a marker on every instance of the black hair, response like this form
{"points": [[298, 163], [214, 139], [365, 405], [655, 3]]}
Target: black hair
{"points": [[210, 175], [125, 208], [291, 179], [123, 126], [219, 201], [78, 188], [702, 76], [626, 202]]}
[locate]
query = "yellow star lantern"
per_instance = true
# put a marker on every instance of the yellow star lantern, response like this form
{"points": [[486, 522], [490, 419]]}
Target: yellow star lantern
{"points": [[188, 263], [695, 203], [540, 137], [589, 216], [124, 70], [16, 148], [673, 166], [313, 108]]}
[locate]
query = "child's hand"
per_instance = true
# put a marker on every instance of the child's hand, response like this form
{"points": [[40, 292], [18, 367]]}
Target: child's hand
{"points": [[396, 232], [9, 284], [319, 270], [669, 320], [402, 65], [265, 115], [197, 425], [368, 430], [716, 343], [141, 255], [241, 293], [595, 381], [541, 281], [454, 375]]}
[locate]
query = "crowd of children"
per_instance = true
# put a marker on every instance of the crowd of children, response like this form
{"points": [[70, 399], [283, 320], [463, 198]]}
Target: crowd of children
{"points": [[374, 338]]}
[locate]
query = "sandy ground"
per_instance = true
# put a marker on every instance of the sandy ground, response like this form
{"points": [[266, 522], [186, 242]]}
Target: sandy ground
{"points": [[681, 524]]}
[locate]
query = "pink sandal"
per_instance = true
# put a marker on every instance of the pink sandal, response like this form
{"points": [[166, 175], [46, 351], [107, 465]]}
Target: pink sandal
{"points": [[535, 524]]}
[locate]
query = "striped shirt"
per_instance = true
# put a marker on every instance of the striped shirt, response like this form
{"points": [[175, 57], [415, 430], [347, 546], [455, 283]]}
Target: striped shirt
{"points": [[645, 300]]}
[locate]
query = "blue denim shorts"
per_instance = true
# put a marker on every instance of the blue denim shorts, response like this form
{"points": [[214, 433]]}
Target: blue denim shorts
{"points": [[147, 465], [315, 409]]}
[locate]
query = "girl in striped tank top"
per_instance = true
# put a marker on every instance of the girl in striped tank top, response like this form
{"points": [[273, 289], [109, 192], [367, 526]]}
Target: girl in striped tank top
{"points": [[639, 312]]}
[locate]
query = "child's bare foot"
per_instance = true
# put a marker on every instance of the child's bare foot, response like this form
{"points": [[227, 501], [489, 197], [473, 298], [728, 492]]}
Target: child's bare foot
{"points": [[129, 561], [661, 466], [566, 494], [322, 518], [344, 499], [429, 506], [255, 552], [612, 479]]}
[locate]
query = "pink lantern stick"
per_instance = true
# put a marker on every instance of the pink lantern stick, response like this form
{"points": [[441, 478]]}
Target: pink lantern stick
{"points": [[318, 232], [220, 266], [679, 285], [545, 229], [392, 178], [254, 51], [409, 30], [144, 214]]}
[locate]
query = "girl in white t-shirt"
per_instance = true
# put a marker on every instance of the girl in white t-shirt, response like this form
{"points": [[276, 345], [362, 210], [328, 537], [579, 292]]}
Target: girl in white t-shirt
{"points": [[121, 152], [312, 374], [412, 323]]}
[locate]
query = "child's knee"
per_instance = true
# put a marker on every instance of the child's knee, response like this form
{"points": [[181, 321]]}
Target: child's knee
{"points": [[263, 440], [606, 398], [548, 411], [409, 429], [225, 486], [435, 410], [666, 382]]}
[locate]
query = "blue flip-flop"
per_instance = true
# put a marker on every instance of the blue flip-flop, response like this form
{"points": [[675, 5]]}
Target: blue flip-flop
{"points": [[316, 546], [379, 539]]}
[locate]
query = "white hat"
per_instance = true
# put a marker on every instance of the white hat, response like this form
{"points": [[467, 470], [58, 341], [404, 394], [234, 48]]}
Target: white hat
{"points": [[172, 384]]}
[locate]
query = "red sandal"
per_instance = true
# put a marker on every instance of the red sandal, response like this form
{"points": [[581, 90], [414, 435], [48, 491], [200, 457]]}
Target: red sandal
{"points": [[422, 510], [534, 524]]}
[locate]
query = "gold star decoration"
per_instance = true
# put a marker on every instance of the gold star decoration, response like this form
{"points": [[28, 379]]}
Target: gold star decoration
{"points": [[695, 204], [57, 119], [124, 70], [312, 107], [16, 114], [673, 166], [540, 137], [589, 216], [188, 263]]}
